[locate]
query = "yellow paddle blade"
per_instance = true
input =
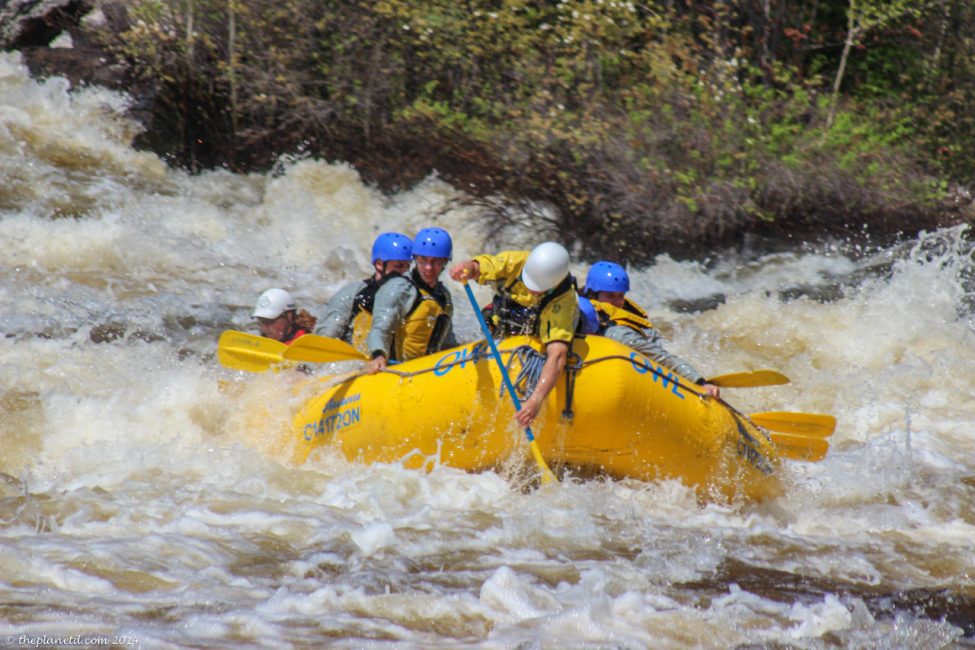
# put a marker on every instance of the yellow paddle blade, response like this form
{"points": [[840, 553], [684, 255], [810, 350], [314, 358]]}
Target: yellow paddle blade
{"points": [[799, 447], [808, 424], [749, 379], [547, 475], [322, 349], [243, 351]]}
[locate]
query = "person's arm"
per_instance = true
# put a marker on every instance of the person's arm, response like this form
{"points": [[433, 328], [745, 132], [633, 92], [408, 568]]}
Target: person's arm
{"points": [[467, 270], [334, 321], [557, 352], [649, 343], [489, 268], [393, 302]]}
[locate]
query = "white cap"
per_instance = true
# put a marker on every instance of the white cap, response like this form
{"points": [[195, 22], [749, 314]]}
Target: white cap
{"points": [[547, 265], [273, 303]]}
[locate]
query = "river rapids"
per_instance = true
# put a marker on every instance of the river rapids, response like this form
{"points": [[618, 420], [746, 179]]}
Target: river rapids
{"points": [[138, 509]]}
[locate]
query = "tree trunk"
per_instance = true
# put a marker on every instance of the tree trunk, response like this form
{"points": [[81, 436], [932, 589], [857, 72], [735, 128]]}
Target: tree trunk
{"points": [[190, 36], [852, 29], [232, 64]]}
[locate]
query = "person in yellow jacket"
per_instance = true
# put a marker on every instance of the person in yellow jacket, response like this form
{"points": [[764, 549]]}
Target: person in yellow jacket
{"points": [[412, 314], [615, 316], [534, 295]]}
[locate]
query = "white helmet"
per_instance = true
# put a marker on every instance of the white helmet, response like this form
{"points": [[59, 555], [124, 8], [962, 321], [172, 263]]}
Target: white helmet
{"points": [[547, 265], [273, 303]]}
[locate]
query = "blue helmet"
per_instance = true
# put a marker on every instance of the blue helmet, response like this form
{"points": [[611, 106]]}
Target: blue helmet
{"points": [[607, 276], [590, 320], [433, 242], [392, 246]]}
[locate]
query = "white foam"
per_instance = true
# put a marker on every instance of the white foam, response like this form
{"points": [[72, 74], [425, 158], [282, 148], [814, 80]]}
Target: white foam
{"points": [[144, 474]]}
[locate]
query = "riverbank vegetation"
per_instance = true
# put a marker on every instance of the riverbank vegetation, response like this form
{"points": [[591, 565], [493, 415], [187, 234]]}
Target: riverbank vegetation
{"points": [[631, 128]]}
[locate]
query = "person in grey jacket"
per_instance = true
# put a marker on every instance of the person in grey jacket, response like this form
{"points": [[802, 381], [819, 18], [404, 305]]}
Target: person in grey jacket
{"points": [[611, 314], [412, 314], [348, 315]]}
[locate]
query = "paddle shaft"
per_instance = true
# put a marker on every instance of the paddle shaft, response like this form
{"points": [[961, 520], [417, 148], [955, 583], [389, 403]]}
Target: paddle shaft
{"points": [[497, 356], [547, 474]]}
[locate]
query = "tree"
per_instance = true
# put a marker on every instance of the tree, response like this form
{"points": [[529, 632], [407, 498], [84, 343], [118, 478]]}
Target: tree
{"points": [[862, 17]]}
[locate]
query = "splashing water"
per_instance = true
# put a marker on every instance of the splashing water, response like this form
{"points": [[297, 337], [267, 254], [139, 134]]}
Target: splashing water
{"points": [[136, 501]]}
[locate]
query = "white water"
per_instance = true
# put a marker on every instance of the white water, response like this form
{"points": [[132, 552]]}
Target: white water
{"points": [[134, 502]]}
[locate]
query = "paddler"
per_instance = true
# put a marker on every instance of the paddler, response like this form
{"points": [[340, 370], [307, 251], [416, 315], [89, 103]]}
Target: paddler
{"points": [[534, 295], [348, 315], [412, 314], [617, 317], [278, 318]]}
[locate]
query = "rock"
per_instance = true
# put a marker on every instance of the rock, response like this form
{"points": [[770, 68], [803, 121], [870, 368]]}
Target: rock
{"points": [[33, 23], [106, 332], [60, 38]]}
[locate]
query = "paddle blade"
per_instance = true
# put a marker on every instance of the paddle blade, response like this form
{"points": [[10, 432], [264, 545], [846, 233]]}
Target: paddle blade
{"points": [[749, 379], [799, 447], [322, 349], [243, 351], [807, 424], [547, 475]]}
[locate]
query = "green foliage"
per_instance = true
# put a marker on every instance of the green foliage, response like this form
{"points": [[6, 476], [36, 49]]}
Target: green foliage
{"points": [[646, 127]]}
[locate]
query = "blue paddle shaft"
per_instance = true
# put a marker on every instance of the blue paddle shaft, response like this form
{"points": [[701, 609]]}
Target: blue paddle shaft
{"points": [[496, 355]]}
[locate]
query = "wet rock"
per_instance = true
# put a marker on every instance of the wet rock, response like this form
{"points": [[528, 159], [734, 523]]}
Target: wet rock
{"points": [[62, 38], [148, 337], [697, 305], [824, 294], [106, 332], [33, 23], [110, 332]]}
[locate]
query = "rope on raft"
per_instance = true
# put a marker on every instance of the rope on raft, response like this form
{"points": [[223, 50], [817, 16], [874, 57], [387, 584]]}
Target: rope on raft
{"points": [[532, 363], [656, 372]]}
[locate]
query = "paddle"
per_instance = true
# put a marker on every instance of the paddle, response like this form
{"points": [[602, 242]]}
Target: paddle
{"points": [[322, 349], [800, 447], [749, 379], [813, 425], [243, 351], [547, 475], [797, 436], [803, 435]]}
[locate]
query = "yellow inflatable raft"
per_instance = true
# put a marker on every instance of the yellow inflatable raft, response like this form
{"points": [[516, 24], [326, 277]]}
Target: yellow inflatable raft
{"points": [[614, 413]]}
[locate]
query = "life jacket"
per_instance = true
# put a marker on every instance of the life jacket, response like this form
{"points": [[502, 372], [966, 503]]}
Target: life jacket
{"points": [[426, 324], [361, 321], [629, 315], [588, 318], [295, 335], [507, 317]]}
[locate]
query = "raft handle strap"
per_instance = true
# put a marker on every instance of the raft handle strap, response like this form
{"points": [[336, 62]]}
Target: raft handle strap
{"points": [[572, 368]]}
